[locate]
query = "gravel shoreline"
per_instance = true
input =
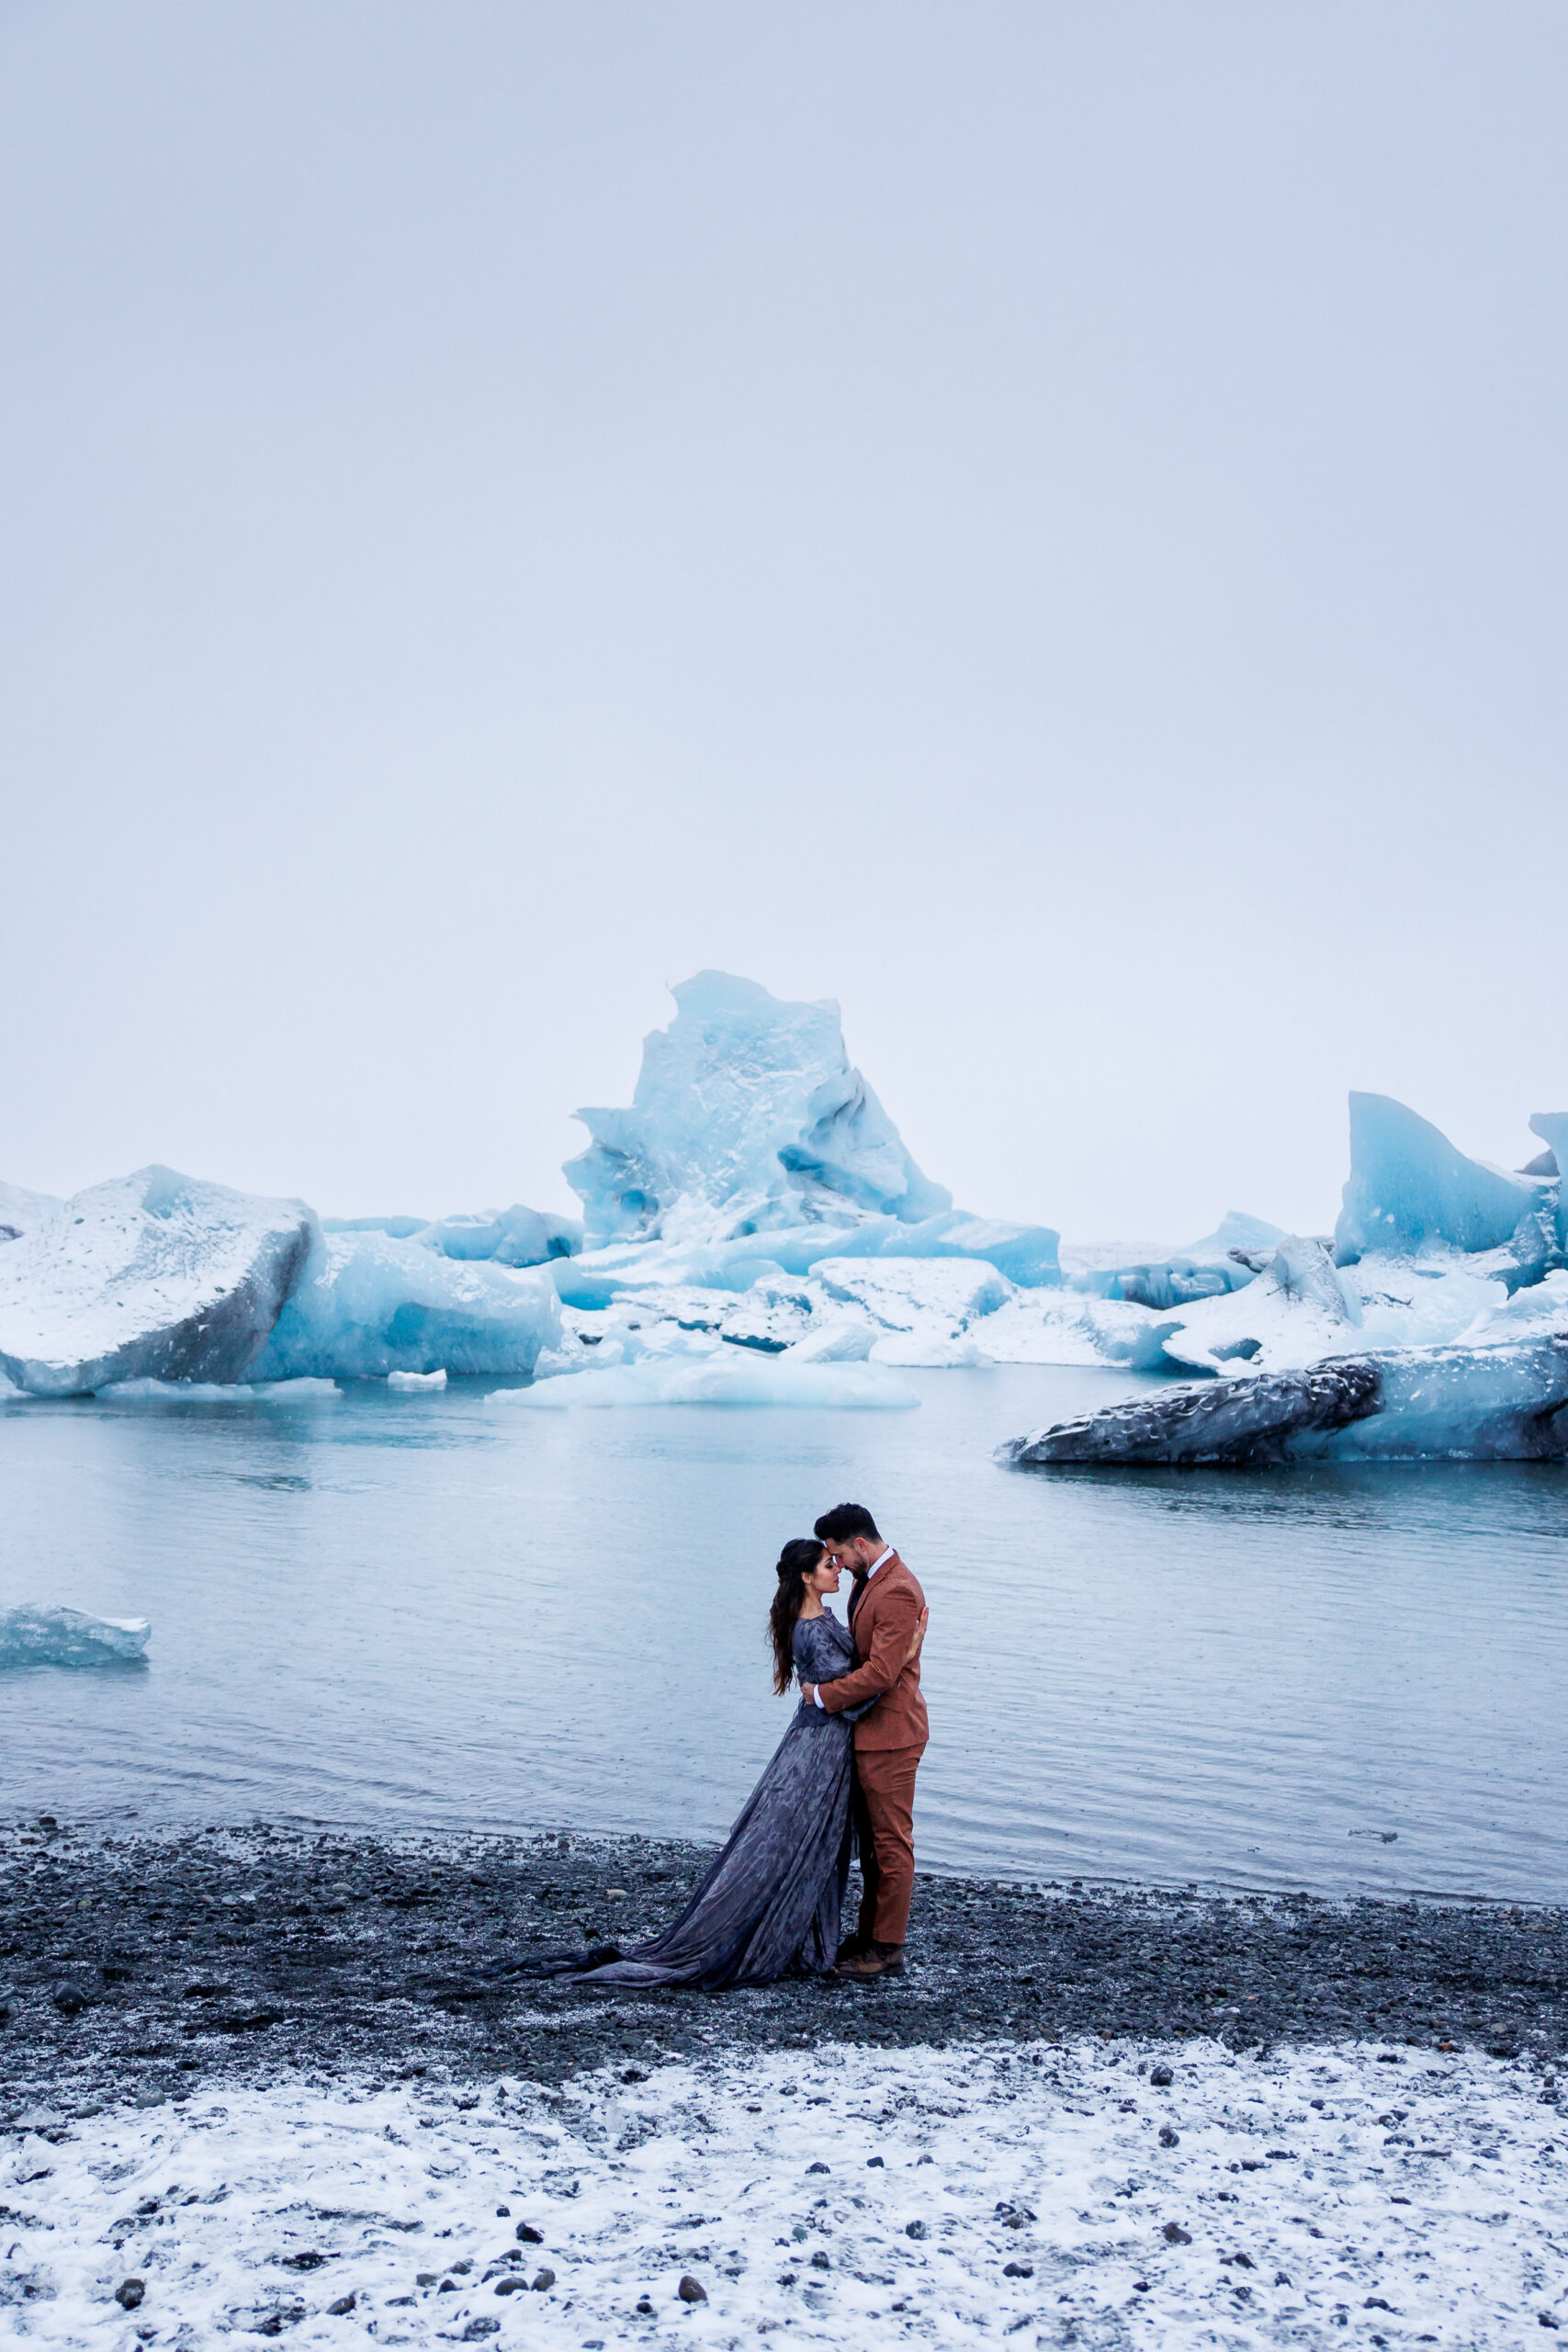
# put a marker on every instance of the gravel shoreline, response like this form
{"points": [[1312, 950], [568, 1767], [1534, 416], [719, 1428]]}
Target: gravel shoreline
{"points": [[144, 1966]]}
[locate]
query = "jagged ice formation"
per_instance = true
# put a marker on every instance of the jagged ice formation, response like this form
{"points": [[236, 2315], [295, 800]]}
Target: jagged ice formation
{"points": [[747, 1117], [755, 1202], [1410, 1193], [155, 1275]]}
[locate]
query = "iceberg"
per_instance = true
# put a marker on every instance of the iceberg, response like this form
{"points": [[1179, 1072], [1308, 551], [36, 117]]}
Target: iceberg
{"points": [[932, 1350], [910, 1311], [891, 1310], [1025, 1254], [1236, 1234], [1076, 1327], [1176, 1281], [513, 1237], [1411, 1193], [1226, 1422], [1507, 1401], [40, 1636], [724, 1377], [1406, 1305], [1223, 1260], [846, 1340], [1527, 1314], [152, 1276], [402, 1228], [23, 1212], [921, 1310], [366, 1305], [904, 1293], [416, 1384], [746, 1116], [1551, 1127], [1297, 1308]]}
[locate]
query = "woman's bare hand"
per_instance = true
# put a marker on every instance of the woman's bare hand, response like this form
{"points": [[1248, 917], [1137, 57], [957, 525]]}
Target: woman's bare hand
{"points": [[916, 1637]]}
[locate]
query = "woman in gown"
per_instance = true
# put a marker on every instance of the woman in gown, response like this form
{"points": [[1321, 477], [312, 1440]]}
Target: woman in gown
{"points": [[771, 1902]]}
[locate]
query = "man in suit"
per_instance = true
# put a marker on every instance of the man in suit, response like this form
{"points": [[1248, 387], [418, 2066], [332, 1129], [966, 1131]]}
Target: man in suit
{"points": [[886, 1609]]}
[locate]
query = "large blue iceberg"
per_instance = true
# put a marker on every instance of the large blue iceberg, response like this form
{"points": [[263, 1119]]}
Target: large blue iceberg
{"points": [[747, 1118], [367, 1305], [1410, 1193], [752, 1155]]}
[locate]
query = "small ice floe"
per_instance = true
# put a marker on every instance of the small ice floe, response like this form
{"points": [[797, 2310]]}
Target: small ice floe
{"points": [[415, 1384], [728, 1376], [1106, 2194], [36, 1636]]}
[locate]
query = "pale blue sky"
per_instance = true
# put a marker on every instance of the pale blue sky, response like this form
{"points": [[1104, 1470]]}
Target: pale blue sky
{"points": [[1044, 523]]}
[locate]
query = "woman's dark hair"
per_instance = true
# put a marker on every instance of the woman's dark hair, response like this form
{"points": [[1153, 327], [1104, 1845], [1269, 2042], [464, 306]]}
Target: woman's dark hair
{"points": [[797, 1561]]}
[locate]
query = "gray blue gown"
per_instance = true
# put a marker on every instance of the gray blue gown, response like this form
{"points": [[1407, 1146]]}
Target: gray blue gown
{"points": [[772, 1901]]}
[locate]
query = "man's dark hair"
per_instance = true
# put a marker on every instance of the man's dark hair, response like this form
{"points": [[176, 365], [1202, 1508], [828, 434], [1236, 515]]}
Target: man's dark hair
{"points": [[845, 1522]]}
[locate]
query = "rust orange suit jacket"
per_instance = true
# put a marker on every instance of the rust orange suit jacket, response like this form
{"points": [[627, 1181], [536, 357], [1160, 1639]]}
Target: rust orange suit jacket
{"points": [[883, 1623]]}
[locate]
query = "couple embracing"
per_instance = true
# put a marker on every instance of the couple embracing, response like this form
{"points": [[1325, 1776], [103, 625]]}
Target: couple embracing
{"points": [[844, 1775]]}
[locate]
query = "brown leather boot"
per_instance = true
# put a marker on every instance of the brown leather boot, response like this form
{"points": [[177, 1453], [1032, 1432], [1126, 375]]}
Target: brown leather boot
{"points": [[874, 1960]]}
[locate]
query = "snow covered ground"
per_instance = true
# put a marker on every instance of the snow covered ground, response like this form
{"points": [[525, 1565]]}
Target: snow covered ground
{"points": [[1057, 2195]]}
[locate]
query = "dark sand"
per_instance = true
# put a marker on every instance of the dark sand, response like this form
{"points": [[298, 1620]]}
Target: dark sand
{"points": [[141, 1965]]}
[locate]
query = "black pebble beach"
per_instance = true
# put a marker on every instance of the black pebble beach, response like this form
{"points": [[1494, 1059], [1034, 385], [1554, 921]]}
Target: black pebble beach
{"points": [[141, 1965]]}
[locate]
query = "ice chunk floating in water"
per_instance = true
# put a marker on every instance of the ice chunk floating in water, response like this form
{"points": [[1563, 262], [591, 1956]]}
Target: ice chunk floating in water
{"points": [[1507, 1402], [37, 1636], [154, 1276], [724, 1375], [746, 1116]]}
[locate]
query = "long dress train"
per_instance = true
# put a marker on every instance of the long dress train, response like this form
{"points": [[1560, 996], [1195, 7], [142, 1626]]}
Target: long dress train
{"points": [[772, 1898]]}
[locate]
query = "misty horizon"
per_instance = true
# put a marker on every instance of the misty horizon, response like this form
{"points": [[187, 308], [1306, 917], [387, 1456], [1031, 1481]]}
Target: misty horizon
{"points": [[1046, 531]]}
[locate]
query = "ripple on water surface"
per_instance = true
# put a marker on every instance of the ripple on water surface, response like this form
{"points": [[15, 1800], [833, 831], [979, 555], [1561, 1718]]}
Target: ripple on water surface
{"points": [[412, 1610]]}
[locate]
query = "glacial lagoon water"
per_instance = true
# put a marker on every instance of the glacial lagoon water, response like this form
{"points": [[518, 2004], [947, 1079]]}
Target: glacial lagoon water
{"points": [[429, 1612]]}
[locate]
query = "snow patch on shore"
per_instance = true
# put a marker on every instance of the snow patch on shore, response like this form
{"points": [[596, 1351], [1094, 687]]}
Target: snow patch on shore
{"points": [[837, 2195]]}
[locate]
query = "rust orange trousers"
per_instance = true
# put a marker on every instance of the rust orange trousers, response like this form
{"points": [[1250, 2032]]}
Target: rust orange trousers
{"points": [[884, 1829]]}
